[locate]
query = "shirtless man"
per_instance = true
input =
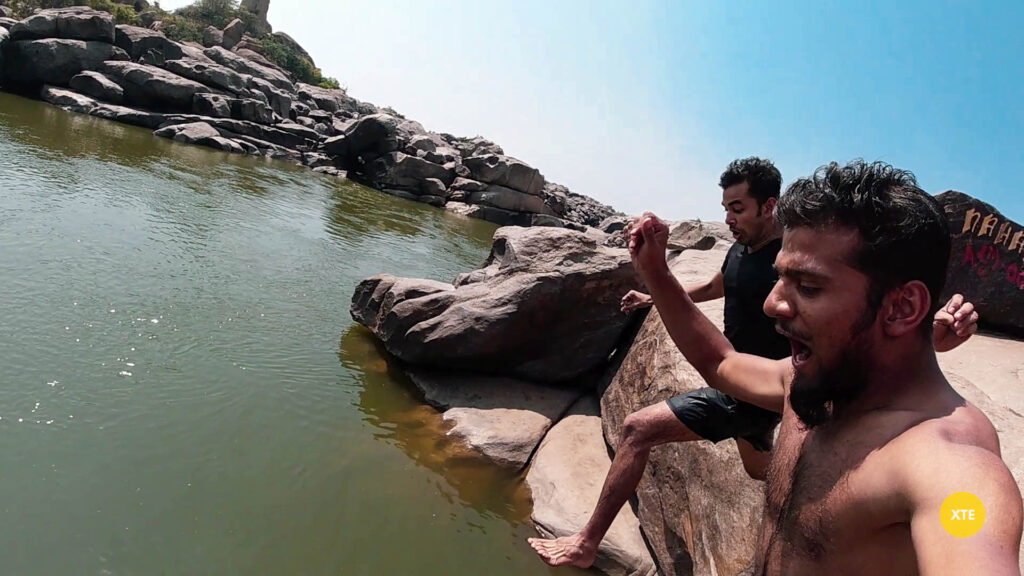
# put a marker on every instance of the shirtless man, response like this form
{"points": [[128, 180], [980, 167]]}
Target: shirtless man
{"points": [[750, 190], [873, 438]]}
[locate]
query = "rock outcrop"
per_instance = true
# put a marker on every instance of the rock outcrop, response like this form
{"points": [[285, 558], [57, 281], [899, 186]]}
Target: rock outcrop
{"points": [[987, 261], [502, 419], [547, 301]]}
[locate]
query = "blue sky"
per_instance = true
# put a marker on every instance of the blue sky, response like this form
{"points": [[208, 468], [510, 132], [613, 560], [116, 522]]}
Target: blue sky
{"points": [[641, 105]]}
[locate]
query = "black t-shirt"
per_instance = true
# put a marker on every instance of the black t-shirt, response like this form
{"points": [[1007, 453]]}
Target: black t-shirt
{"points": [[749, 278]]}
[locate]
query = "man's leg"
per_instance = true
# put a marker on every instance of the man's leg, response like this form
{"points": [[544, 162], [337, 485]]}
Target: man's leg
{"points": [[641, 431], [755, 461]]}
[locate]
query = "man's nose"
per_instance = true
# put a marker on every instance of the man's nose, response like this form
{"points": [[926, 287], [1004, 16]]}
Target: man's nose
{"points": [[730, 220], [776, 305]]}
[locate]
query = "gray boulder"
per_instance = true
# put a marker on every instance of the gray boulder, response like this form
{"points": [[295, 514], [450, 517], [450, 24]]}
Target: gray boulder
{"points": [[212, 37], [506, 171], [582, 209], [696, 235], [434, 187], [293, 45], [399, 170], [7, 23], [469, 147], [545, 308], [205, 72], [151, 87], [565, 480], [509, 199], [252, 111], [258, 7], [6, 12], [77, 23], [67, 99], [243, 66], [54, 61], [467, 185], [98, 86], [212, 105], [501, 419], [137, 41], [278, 100], [201, 134], [233, 33], [5, 36], [376, 134]]}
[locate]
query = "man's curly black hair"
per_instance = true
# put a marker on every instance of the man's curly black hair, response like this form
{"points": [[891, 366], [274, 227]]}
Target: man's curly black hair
{"points": [[761, 176], [904, 234]]}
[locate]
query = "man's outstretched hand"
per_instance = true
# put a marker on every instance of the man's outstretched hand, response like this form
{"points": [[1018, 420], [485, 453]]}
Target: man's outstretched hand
{"points": [[635, 300], [647, 240], [954, 324]]}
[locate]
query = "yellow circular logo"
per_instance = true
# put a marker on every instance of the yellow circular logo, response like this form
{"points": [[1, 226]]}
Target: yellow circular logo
{"points": [[962, 514]]}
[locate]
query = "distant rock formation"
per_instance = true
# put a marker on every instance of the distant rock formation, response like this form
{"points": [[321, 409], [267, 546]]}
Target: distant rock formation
{"points": [[228, 96], [258, 7]]}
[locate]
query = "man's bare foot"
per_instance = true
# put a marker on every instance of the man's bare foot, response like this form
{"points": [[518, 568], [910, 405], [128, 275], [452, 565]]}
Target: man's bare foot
{"points": [[567, 550]]}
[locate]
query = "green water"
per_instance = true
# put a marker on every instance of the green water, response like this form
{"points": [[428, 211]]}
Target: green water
{"points": [[183, 391]]}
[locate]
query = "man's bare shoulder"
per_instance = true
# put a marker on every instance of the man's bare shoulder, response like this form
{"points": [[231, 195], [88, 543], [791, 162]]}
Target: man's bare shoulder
{"points": [[953, 452]]}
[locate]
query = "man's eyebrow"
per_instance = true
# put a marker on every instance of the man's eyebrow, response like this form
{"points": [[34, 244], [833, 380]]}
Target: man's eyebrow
{"points": [[798, 272], [740, 202]]}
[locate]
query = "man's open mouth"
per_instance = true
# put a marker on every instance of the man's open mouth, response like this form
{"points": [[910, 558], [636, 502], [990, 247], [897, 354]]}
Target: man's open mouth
{"points": [[801, 351]]}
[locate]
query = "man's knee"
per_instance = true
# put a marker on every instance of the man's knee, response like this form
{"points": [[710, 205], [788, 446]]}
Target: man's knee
{"points": [[653, 426]]}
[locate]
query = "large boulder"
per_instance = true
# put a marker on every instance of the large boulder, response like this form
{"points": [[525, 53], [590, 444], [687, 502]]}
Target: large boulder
{"points": [[509, 199], [7, 23], [5, 36], [54, 61], [565, 481], [6, 12], [501, 419], [278, 100], [151, 87], [233, 33], [469, 147], [584, 209], [77, 23], [213, 75], [697, 505], [987, 261], [545, 308], [258, 7], [506, 171], [244, 66], [374, 135], [212, 37], [98, 86], [252, 111], [201, 134], [697, 235], [68, 100], [401, 171], [212, 105], [138, 41], [292, 45]]}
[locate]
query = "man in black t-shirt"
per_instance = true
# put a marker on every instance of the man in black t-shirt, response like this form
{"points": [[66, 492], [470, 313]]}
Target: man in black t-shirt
{"points": [[750, 189]]}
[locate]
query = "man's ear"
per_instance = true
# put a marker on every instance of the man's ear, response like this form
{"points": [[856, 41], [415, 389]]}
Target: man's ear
{"points": [[905, 308], [768, 208]]}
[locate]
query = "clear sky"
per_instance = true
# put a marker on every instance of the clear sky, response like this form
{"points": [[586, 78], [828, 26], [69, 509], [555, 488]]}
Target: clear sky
{"points": [[642, 104]]}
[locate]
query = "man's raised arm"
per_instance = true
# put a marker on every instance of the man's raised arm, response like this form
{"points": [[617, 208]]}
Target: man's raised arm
{"points": [[752, 379]]}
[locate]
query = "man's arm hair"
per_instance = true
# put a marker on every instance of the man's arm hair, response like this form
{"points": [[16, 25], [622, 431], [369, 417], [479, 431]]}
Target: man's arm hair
{"points": [[995, 549], [753, 379]]}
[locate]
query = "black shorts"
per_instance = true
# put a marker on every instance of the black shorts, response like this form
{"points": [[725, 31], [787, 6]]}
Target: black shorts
{"points": [[715, 416]]}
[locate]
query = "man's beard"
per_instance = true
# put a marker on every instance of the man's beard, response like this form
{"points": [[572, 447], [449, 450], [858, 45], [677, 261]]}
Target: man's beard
{"points": [[816, 398]]}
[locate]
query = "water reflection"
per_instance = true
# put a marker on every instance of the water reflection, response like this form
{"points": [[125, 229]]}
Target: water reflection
{"points": [[390, 403]]}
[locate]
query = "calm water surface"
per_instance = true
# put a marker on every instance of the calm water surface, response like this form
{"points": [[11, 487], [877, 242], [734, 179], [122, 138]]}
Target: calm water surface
{"points": [[183, 391]]}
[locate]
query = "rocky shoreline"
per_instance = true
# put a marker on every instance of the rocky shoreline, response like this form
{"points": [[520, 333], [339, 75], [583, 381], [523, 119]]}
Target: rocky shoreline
{"points": [[534, 369], [227, 96]]}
